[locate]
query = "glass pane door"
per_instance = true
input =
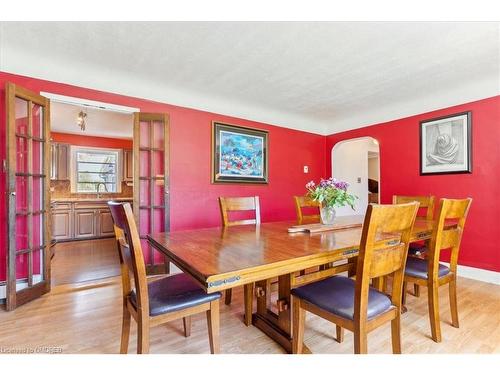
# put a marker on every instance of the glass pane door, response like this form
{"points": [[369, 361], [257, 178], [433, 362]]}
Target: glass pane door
{"points": [[151, 181], [28, 254]]}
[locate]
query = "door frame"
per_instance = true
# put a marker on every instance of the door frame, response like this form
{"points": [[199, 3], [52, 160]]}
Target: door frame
{"points": [[16, 298]]}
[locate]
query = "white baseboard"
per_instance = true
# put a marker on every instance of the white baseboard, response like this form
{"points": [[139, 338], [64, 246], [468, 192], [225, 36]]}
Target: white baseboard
{"points": [[477, 274], [462, 271]]}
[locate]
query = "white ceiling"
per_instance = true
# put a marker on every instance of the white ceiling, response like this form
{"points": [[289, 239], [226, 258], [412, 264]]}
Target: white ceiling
{"points": [[99, 123], [319, 77]]}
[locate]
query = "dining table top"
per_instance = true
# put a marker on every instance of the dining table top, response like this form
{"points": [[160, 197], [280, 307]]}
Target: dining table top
{"points": [[224, 257]]}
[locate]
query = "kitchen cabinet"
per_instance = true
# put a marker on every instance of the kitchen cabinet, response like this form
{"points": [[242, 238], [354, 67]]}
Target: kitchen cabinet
{"points": [[85, 224], [128, 165], [79, 220], [59, 161], [105, 226], [61, 222]]}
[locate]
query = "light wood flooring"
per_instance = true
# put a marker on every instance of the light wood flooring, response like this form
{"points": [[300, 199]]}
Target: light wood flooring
{"points": [[81, 261], [87, 320]]}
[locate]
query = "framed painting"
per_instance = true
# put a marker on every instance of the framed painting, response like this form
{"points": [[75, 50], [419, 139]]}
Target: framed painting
{"points": [[446, 144], [239, 154]]}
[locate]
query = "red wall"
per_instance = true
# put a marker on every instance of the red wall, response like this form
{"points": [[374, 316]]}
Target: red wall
{"points": [[399, 173], [193, 197], [90, 141]]}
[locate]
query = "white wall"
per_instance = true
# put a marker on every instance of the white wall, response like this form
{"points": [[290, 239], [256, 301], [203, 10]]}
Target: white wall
{"points": [[350, 162]]}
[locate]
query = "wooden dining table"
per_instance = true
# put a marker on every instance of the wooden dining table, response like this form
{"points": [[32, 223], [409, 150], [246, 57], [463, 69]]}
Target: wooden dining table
{"points": [[222, 258]]}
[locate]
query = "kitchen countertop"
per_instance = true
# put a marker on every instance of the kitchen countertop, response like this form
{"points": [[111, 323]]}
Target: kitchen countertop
{"points": [[101, 199]]}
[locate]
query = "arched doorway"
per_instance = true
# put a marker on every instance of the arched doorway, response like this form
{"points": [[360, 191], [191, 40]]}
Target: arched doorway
{"points": [[357, 161]]}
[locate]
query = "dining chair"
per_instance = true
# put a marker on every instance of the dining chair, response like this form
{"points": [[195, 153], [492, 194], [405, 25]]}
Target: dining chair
{"points": [[302, 202], [354, 304], [228, 205], [426, 209], [305, 202], [447, 234], [156, 302]]}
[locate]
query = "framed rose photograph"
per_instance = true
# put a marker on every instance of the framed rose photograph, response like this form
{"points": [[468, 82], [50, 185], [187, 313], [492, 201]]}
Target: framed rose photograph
{"points": [[446, 144], [239, 154]]}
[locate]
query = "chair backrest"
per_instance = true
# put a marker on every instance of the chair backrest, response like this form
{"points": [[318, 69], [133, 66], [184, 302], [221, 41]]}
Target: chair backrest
{"points": [[383, 250], [447, 232], [228, 204], [130, 251], [425, 202], [301, 202]]}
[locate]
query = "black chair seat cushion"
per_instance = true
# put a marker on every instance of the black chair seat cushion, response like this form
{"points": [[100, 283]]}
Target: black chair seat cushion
{"points": [[173, 293], [416, 267], [336, 295]]}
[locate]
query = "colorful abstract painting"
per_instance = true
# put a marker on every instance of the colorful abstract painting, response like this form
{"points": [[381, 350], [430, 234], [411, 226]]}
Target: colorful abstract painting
{"points": [[240, 154]]}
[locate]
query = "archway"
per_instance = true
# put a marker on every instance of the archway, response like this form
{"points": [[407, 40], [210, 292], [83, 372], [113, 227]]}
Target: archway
{"points": [[357, 161]]}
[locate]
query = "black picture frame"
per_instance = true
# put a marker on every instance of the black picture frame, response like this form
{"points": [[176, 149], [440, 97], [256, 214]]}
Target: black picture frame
{"points": [[445, 154], [261, 138]]}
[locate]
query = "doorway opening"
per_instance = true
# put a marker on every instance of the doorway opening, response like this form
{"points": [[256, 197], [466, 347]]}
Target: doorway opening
{"points": [[357, 161], [91, 163]]}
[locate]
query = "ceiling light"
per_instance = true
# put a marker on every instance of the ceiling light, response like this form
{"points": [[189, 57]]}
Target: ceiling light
{"points": [[81, 120]]}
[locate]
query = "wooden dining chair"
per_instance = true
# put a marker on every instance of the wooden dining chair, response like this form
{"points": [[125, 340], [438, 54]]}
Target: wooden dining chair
{"points": [[426, 203], [228, 205], [354, 304], [426, 210], [305, 202], [447, 234], [158, 301]]}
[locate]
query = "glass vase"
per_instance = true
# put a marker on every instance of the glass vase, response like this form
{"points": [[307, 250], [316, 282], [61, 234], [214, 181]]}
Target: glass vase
{"points": [[327, 215]]}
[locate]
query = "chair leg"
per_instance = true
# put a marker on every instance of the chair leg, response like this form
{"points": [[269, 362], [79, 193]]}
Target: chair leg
{"points": [[416, 290], [227, 297], [453, 303], [360, 341], [213, 327], [405, 286], [248, 292], [125, 330], [434, 312], [340, 333], [396, 334], [142, 335], [186, 321], [299, 320]]}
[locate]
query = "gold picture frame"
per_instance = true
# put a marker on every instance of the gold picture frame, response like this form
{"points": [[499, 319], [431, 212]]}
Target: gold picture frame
{"points": [[239, 154]]}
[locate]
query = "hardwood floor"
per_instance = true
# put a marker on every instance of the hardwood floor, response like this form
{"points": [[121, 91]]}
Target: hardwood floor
{"points": [[82, 261], [87, 320]]}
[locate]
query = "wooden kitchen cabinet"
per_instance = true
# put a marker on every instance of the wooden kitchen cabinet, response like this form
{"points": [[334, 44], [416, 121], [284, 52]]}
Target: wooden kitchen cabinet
{"points": [[59, 161], [62, 225], [128, 165], [85, 224], [105, 226], [79, 220]]}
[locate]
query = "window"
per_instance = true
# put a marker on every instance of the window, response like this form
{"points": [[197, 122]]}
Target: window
{"points": [[96, 170]]}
